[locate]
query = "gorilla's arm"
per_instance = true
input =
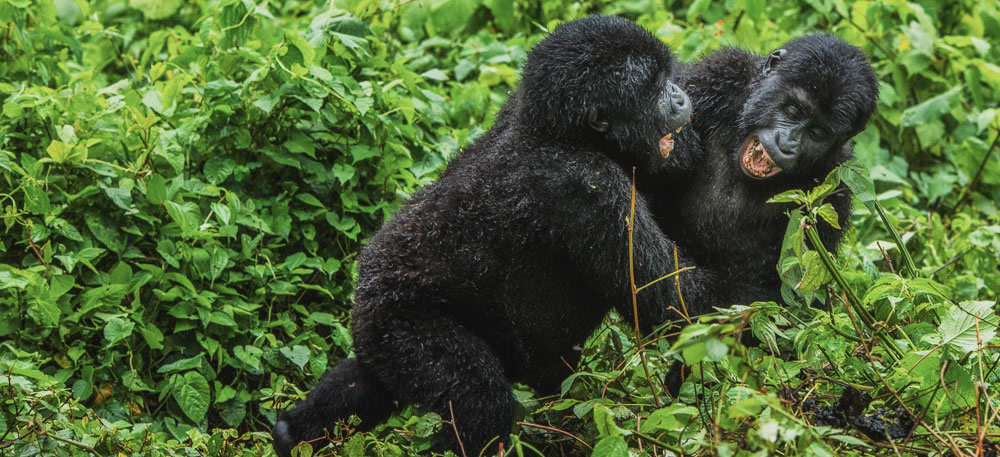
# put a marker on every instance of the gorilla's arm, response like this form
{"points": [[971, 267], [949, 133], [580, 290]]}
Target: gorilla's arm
{"points": [[588, 216]]}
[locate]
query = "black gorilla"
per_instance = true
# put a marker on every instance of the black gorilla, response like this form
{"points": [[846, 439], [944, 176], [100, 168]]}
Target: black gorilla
{"points": [[493, 273], [761, 125]]}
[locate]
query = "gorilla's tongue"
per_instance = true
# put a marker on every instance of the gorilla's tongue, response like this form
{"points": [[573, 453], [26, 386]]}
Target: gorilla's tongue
{"points": [[666, 145], [756, 162]]}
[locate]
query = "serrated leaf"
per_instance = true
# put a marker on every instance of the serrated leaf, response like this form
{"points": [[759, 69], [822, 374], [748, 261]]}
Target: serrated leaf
{"points": [[829, 215], [791, 196], [959, 329], [815, 273]]}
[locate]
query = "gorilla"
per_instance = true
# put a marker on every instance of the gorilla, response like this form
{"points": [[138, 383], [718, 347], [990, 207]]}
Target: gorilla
{"points": [[493, 273], [760, 125]]}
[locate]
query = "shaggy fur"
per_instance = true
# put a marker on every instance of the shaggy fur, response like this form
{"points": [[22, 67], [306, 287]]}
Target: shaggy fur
{"points": [[493, 273], [717, 214]]}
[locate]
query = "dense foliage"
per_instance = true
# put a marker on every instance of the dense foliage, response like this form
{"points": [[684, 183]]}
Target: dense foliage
{"points": [[184, 187]]}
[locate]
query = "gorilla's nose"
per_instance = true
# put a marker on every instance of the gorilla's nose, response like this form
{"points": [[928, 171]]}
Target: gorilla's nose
{"points": [[788, 143], [677, 96], [679, 107]]}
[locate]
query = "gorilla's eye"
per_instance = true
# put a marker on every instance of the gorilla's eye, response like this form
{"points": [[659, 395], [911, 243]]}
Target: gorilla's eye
{"points": [[792, 111], [817, 133]]}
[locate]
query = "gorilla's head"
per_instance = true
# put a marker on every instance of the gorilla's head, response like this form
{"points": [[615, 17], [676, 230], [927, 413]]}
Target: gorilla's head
{"points": [[813, 95], [603, 80]]}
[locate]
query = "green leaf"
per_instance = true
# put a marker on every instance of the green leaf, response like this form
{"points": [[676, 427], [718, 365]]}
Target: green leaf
{"points": [[829, 215], [966, 327], [931, 109], [674, 417], [815, 274], [428, 425], [179, 213], [858, 179], [117, 329], [309, 199], [298, 355], [156, 9], [610, 446], [250, 355], [156, 189], [791, 196], [191, 392], [106, 231], [181, 365], [604, 419]]}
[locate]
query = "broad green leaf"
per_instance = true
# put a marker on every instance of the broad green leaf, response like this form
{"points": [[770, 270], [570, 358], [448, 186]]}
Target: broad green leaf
{"points": [[829, 215], [117, 329], [249, 355], [673, 417], [191, 392], [297, 354], [966, 327], [815, 274], [931, 109], [610, 446], [156, 189]]}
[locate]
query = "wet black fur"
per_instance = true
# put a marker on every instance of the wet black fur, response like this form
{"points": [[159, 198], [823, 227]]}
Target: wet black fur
{"points": [[716, 214], [492, 274]]}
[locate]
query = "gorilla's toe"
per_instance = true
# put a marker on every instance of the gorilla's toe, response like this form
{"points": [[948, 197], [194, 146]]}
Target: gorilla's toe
{"points": [[283, 441]]}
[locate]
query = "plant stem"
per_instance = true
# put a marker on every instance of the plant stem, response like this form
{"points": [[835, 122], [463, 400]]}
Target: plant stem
{"points": [[907, 259], [852, 299]]}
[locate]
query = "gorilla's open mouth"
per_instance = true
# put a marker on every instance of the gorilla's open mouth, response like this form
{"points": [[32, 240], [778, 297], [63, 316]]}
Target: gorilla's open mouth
{"points": [[666, 145], [755, 161]]}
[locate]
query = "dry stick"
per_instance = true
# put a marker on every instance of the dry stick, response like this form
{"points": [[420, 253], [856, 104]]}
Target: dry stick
{"points": [[42, 432], [983, 427], [950, 261], [677, 280], [556, 430], [454, 427], [635, 291]]}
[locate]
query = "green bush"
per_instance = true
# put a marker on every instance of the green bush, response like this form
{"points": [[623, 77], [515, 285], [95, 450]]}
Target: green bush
{"points": [[184, 187]]}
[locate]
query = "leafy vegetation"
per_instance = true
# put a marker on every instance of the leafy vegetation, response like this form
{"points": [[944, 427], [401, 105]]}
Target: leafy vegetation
{"points": [[184, 187]]}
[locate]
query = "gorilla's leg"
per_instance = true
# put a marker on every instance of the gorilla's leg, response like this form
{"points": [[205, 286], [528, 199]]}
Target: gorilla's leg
{"points": [[345, 389], [429, 359]]}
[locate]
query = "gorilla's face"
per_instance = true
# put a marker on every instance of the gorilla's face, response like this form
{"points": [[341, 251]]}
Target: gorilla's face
{"points": [[604, 81], [644, 129], [811, 99]]}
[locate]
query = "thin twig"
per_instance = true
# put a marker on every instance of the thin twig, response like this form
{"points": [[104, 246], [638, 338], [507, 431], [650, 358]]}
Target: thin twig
{"points": [[556, 430], [677, 280], [635, 292], [454, 426]]}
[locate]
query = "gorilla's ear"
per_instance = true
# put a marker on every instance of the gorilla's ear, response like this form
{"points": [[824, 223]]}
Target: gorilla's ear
{"points": [[773, 59], [595, 121]]}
